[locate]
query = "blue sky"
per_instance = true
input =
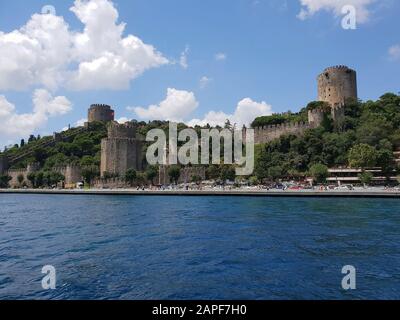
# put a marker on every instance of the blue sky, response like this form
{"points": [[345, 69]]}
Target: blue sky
{"points": [[268, 61]]}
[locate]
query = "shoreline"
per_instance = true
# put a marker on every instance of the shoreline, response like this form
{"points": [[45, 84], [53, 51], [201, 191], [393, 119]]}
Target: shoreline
{"points": [[240, 193]]}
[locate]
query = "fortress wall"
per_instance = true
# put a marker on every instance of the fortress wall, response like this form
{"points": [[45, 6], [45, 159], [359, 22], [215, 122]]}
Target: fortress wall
{"points": [[72, 174], [14, 173], [119, 155], [269, 133]]}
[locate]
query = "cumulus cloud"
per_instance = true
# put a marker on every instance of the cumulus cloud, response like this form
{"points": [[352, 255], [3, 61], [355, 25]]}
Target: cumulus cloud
{"points": [[177, 106], [246, 111], [42, 52], [123, 120], [394, 52], [311, 7], [19, 125]]}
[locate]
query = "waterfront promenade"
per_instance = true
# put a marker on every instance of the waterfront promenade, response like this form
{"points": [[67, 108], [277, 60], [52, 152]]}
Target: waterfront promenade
{"points": [[358, 193]]}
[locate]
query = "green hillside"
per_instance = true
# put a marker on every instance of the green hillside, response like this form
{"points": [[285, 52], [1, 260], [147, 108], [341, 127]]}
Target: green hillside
{"points": [[366, 137], [76, 146]]}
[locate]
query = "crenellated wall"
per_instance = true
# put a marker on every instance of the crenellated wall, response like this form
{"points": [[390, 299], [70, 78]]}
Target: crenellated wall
{"points": [[269, 133], [72, 175]]}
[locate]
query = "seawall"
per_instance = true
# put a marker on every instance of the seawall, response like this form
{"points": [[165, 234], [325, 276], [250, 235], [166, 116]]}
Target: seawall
{"points": [[252, 193]]}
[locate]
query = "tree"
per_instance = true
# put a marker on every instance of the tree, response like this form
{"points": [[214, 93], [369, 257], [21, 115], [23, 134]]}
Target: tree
{"points": [[319, 172], [174, 172], [196, 179], [141, 178], [87, 161], [366, 177], [4, 180], [227, 173], [130, 176], [386, 160], [253, 181], [20, 179], [151, 173], [363, 156], [274, 173], [213, 172], [89, 173], [40, 155], [31, 178], [39, 179]]}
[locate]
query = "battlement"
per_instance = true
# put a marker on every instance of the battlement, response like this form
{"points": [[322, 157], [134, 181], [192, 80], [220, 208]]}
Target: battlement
{"points": [[99, 105], [282, 127], [122, 131], [269, 133], [100, 112], [338, 68]]}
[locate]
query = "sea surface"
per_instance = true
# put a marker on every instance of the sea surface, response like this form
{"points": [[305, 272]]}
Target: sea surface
{"points": [[152, 247]]}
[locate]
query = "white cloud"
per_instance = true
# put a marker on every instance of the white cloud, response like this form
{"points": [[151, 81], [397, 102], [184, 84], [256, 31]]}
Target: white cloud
{"points": [[42, 51], [183, 61], [246, 111], [123, 120], [204, 82], [311, 7], [81, 122], [177, 106], [18, 125], [220, 56], [394, 52]]}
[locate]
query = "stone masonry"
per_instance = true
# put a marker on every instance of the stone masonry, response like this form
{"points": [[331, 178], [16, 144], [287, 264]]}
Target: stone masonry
{"points": [[336, 85], [122, 149], [100, 112]]}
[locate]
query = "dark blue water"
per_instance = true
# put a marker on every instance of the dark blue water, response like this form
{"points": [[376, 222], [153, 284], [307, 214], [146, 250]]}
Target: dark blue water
{"points": [[115, 247]]}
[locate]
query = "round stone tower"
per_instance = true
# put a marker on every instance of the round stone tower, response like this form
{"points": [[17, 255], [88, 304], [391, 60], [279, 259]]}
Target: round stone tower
{"points": [[336, 85], [100, 112]]}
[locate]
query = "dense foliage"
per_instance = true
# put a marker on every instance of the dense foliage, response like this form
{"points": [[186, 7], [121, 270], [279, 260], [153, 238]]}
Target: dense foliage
{"points": [[83, 149], [366, 137]]}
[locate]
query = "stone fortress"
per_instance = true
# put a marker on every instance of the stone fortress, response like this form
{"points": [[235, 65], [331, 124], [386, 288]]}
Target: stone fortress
{"points": [[123, 147], [336, 85], [100, 112]]}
